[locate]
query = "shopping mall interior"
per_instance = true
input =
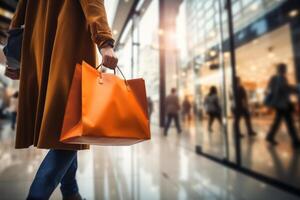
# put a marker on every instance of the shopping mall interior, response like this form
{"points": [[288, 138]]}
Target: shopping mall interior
{"points": [[193, 46]]}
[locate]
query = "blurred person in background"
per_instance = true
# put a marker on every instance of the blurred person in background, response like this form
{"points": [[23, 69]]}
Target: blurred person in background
{"points": [[240, 109], [2, 102], [52, 46], [278, 98], [197, 110], [13, 108], [150, 107], [2, 108], [172, 110], [187, 109], [212, 107]]}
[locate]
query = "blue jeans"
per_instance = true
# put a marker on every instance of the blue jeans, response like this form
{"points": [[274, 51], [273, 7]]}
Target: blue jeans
{"points": [[59, 166]]}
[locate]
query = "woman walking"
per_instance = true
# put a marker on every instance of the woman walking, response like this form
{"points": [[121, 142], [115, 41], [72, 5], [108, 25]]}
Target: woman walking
{"points": [[213, 107], [57, 35]]}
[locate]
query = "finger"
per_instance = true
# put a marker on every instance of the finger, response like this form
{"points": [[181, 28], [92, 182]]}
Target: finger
{"points": [[115, 62], [109, 62], [105, 61], [12, 74], [8, 73], [15, 77]]}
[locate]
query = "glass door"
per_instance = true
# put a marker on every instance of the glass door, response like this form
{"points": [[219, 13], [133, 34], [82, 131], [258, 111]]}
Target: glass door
{"points": [[212, 77]]}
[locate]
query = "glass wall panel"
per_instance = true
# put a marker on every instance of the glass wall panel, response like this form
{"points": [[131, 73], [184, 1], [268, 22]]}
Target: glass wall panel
{"points": [[148, 56], [266, 33], [139, 52], [138, 55], [267, 110], [205, 77]]}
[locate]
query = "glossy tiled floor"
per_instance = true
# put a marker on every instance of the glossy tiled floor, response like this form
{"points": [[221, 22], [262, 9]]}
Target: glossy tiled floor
{"points": [[163, 168], [281, 162]]}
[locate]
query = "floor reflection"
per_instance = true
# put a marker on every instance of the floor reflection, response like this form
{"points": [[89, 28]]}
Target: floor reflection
{"points": [[280, 162], [163, 168]]}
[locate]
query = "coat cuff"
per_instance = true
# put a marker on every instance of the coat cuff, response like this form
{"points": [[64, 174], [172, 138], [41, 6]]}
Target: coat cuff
{"points": [[103, 40]]}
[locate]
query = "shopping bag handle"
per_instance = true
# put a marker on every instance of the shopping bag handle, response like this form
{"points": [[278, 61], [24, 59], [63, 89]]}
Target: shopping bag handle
{"points": [[101, 66]]}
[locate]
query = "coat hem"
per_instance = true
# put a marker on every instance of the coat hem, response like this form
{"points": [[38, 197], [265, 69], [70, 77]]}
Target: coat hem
{"points": [[85, 147]]}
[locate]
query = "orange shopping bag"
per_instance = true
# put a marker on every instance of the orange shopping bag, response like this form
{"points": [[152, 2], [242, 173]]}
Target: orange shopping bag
{"points": [[103, 109]]}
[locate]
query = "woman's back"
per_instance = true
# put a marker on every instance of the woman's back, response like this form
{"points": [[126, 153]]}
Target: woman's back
{"points": [[212, 103], [57, 35]]}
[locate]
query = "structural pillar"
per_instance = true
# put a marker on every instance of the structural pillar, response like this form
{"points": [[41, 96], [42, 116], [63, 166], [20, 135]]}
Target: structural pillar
{"points": [[162, 63]]}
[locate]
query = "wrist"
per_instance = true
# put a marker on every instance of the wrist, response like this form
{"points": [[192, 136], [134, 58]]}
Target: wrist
{"points": [[104, 50], [104, 47], [106, 44]]}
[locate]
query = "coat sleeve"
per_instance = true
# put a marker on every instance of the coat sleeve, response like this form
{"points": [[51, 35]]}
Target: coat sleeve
{"points": [[19, 16], [96, 17]]}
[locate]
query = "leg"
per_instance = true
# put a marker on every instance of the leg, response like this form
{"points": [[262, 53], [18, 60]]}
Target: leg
{"points": [[219, 118], [69, 185], [169, 118], [176, 118], [13, 120], [189, 116], [247, 117], [211, 119], [291, 127], [274, 127], [50, 173], [237, 123]]}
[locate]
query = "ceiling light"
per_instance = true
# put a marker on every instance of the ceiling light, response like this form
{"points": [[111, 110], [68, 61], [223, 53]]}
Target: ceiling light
{"points": [[212, 34], [212, 53], [6, 13], [293, 13], [226, 54], [115, 32], [160, 32], [254, 6]]}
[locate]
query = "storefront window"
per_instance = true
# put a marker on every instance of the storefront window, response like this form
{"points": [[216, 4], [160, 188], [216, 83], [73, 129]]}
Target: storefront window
{"points": [[266, 36], [266, 48], [148, 65], [206, 78], [199, 64]]}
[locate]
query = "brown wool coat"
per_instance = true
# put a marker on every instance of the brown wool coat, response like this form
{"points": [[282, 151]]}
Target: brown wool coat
{"points": [[58, 34]]}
